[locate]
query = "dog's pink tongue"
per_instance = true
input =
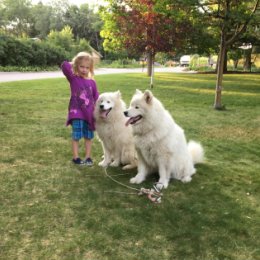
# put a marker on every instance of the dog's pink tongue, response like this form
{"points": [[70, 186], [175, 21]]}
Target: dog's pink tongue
{"points": [[129, 121], [103, 114]]}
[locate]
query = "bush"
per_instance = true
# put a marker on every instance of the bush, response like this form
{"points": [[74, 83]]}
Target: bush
{"points": [[121, 63], [28, 68], [55, 55], [13, 52], [81, 45], [27, 52], [63, 39]]}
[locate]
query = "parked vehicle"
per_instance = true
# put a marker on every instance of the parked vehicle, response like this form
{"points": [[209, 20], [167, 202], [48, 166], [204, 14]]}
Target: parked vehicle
{"points": [[185, 60]]}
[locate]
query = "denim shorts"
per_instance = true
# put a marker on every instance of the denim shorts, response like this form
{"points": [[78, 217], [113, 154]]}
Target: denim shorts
{"points": [[80, 129]]}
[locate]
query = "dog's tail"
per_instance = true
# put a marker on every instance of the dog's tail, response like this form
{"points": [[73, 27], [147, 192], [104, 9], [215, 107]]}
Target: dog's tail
{"points": [[197, 152]]}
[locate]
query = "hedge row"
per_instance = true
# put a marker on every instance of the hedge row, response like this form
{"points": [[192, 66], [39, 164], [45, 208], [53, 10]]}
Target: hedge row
{"points": [[28, 52]]}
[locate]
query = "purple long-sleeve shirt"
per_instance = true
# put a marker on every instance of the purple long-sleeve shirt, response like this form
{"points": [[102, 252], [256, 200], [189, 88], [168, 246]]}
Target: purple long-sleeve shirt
{"points": [[83, 97]]}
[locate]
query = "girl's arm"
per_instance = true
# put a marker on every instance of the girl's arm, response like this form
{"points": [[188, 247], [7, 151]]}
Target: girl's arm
{"points": [[67, 70]]}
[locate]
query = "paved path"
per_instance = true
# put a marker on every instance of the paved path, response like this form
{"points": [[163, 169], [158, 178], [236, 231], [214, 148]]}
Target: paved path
{"points": [[16, 76]]}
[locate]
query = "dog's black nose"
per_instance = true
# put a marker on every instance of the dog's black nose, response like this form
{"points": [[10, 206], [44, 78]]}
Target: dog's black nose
{"points": [[101, 106], [126, 113]]}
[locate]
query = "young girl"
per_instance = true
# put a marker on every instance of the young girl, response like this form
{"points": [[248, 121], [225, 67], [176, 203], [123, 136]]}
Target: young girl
{"points": [[84, 94]]}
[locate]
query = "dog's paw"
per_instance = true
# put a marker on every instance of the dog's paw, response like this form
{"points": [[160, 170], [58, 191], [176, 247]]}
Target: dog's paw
{"points": [[129, 166], [163, 184], [137, 179], [186, 179], [114, 164], [103, 164], [133, 180]]}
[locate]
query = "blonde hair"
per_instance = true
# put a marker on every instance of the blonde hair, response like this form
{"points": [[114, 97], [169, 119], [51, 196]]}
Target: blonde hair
{"points": [[83, 56]]}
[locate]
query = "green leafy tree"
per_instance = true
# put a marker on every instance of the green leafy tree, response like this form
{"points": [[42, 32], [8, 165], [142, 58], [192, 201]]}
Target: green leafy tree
{"points": [[149, 26], [228, 19], [235, 54], [15, 16], [64, 38], [41, 20], [59, 9], [2, 15], [85, 24], [251, 39]]}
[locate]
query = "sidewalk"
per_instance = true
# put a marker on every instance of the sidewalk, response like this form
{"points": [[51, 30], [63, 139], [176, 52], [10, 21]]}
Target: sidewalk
{"points": [[17, 76]]}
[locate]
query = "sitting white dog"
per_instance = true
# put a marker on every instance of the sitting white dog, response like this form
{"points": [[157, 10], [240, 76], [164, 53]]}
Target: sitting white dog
{"points": [[117, 139], [160, 143]]}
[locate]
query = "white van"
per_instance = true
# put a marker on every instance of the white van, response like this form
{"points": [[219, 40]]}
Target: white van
{"points": [[185, 60]]}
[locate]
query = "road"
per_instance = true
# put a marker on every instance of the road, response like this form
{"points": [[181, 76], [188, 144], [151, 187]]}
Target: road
{"points": [[17, 76]]}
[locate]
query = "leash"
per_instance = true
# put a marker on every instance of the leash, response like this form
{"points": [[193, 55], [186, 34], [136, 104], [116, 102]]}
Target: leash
{"points": [[154, 194]]}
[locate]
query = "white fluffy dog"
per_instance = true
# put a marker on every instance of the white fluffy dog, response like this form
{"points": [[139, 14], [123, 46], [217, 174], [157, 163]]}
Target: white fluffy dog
{"points": [[160, 143], [117, 139]]}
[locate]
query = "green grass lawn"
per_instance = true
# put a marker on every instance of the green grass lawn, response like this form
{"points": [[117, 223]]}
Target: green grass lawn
{"points": [[51, 209]]}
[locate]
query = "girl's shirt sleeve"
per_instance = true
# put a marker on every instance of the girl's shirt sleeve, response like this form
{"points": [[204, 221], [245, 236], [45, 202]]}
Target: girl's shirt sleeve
{"points": [[95, 92], [67, 70]]}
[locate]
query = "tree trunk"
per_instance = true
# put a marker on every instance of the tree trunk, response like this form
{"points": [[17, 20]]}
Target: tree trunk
{"points": [[149, 64], [220, 67], [235, 64], [150, 67], [97, 41], [216, 68], [225, 62], [247, 63]]}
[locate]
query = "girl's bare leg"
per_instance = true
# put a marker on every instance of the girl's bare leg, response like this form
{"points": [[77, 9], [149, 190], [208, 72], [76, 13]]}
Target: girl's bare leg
{"points": [[75, 149], [88, 144]]}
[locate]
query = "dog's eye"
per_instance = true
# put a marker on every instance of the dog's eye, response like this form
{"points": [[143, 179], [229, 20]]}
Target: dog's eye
{"points": [[108, 102], [137, 107]]}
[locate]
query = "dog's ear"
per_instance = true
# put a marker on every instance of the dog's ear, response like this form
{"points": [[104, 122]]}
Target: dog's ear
{"points": [[137, 91], [148, 96], [118, 94]]}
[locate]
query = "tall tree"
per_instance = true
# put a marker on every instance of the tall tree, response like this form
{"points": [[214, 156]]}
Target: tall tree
{"points": [[145, 26], [85, 24], [251, 40], [16, 16], [231, 18], [59, 9], [41, 15]]}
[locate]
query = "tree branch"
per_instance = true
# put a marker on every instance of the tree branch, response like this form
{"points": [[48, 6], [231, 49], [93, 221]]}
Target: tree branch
{"points": [[243, 27]]}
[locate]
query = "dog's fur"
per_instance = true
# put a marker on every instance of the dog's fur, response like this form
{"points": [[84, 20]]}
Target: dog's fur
{"points": [[160, 143], [117, 139]]}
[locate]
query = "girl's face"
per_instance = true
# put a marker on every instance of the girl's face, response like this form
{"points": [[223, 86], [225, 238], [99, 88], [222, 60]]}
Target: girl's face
{"points": [[83, 68]]}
